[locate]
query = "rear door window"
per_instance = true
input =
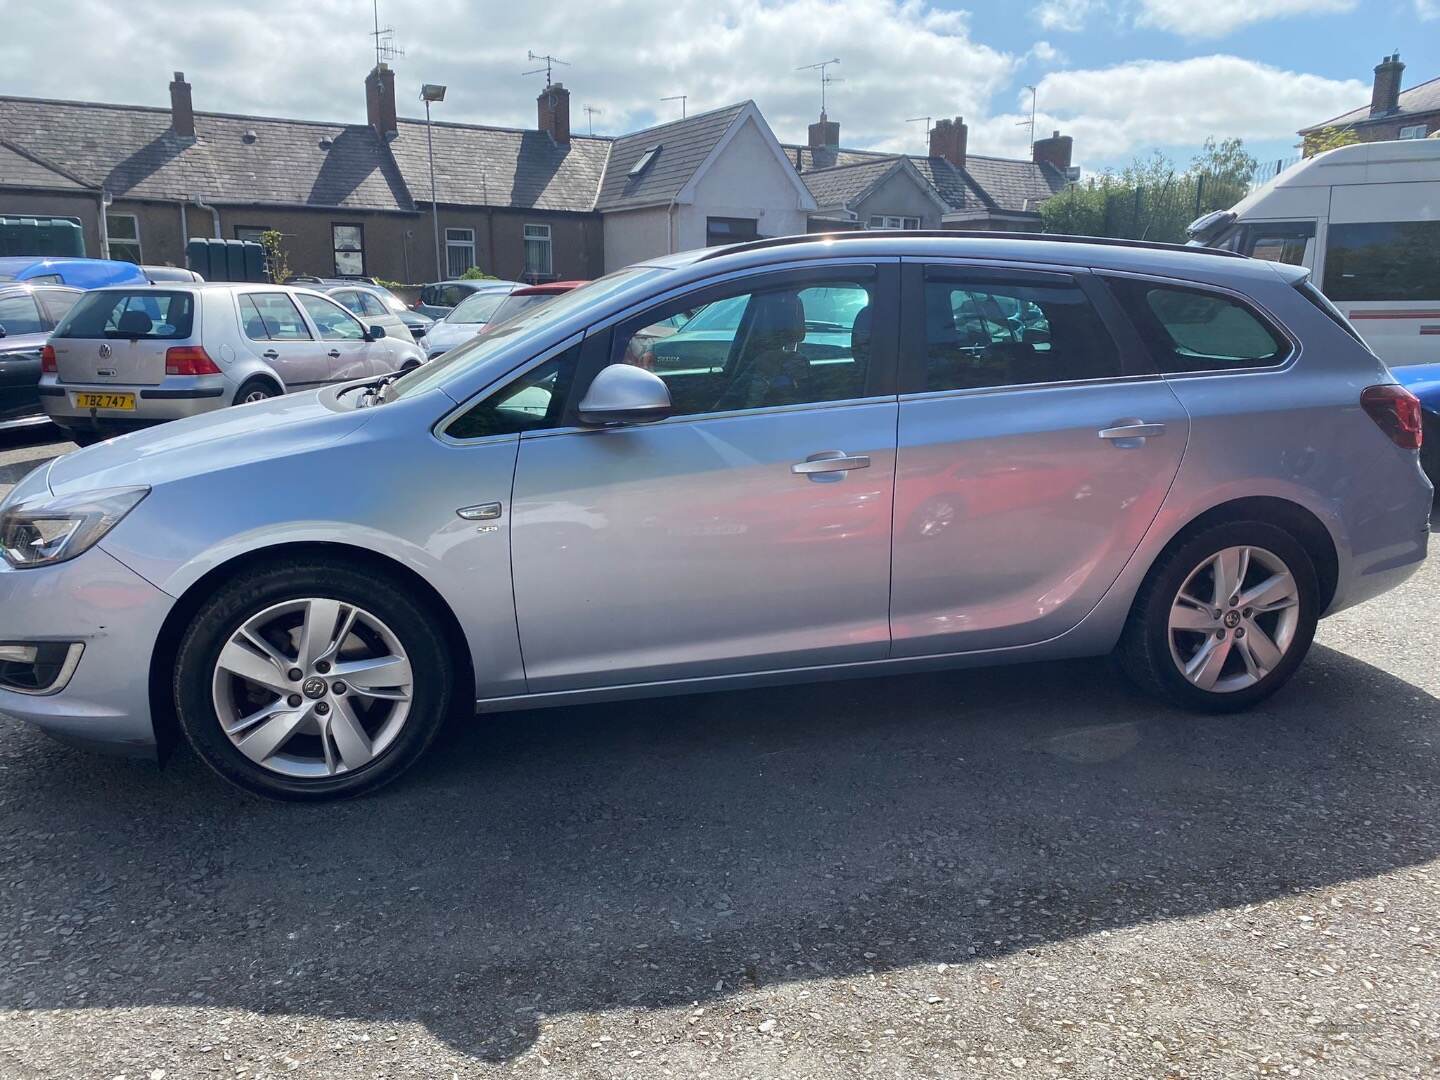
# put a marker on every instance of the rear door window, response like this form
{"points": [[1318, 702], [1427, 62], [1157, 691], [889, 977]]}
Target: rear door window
{"points": [[272, 317], [57, 302], [1383, 260], [149, 315], [19, 315], [1009, 331], [1197, 330]]}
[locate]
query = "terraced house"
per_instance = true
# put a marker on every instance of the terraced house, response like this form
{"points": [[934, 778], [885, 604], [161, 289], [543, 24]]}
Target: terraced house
{"points": [[533, 204]]}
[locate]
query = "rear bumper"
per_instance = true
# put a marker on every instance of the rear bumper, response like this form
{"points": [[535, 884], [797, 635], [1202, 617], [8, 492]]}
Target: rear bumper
{"points": [[173, 399], [116, 615]]}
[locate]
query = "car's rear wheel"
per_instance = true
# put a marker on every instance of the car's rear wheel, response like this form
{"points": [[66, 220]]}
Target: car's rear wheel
{"points": [[312, 680], [255, 390], [1223, 619]]}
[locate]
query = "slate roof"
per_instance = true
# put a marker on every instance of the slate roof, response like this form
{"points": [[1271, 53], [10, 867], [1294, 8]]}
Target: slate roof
{"points": [[1424, 98], [19, 169], [841, 185], [986, 183], [492, 166], [131, 151], [684, 145]]}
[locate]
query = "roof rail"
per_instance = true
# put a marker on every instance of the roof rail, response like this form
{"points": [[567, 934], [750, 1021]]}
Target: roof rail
{"points": [[955, 234]]}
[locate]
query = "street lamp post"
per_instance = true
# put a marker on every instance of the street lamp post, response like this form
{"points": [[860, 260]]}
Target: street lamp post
{"points": [[428, 93]]}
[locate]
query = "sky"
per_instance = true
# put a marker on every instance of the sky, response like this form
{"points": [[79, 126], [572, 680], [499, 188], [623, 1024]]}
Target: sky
{"points": [[1123, 77]]}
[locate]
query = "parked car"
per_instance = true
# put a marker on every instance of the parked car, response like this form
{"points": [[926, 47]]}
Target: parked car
{"points": [[465, 321], [1193, 466], [27, 315], [1366, 219], [134, 356], [362, 297], [157, 274], [80, 273], [438, 298], [526, 298]]}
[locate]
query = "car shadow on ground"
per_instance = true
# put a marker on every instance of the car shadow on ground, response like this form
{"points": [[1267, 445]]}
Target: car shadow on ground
{"points": [[657, 853]]}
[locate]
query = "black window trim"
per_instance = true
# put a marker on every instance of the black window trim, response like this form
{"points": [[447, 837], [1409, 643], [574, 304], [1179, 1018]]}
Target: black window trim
{"points": [[1267, 318], [1136, 363], [439, 428]]}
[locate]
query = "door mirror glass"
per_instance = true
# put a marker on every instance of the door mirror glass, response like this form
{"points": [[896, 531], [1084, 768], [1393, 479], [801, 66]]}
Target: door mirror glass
{"points": [[375, 333], [623, 394]]}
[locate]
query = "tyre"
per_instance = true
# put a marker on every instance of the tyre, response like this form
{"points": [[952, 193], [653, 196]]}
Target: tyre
{"points": [[409, 367], [312, 680], [1224, 618], [255, 390]]}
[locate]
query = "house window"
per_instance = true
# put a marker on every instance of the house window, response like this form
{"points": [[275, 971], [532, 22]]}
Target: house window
{"points": [[539, 261], [459, 251], [349, 242], [124, 230], [252, 233], [730, 230], [891, 221], [1413, 131]]}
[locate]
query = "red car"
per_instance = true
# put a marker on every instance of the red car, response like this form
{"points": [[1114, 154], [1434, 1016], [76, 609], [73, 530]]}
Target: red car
{"points": [[527, 297]]}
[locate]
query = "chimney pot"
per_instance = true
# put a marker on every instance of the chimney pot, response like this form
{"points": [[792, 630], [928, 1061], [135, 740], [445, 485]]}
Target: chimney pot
{"points": [[1385, 96], [948, 140], [182, 110], [553, 106], [380, 101]]}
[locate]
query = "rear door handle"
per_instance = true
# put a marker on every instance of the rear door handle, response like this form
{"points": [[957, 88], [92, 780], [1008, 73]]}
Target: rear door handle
{"points": [[270, 354], [1131, 429], [334, 353], [830, 465]]}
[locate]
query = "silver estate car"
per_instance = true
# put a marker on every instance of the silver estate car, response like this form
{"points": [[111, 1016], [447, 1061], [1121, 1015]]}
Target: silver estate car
{"points": [[133, 356], [909, 451]]}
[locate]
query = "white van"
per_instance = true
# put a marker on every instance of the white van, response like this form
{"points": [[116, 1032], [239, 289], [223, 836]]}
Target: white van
{"points": [[1366, 220]]}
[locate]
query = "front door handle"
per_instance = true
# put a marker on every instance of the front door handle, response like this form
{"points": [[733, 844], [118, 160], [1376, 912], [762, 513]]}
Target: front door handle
{"points": [[830, 465], [1126, 430], [270, 354], [334, 354]]}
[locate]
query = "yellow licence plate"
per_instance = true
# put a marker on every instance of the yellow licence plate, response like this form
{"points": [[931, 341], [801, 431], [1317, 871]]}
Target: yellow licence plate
{"points": [[124, 401]]}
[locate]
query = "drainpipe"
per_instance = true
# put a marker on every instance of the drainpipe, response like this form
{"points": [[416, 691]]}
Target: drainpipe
{"points": [[196, 202], [184, 229], [105, 200]]}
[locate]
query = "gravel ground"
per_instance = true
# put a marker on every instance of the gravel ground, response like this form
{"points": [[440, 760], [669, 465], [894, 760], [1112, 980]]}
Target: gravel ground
{"points": [[1025, 872]]}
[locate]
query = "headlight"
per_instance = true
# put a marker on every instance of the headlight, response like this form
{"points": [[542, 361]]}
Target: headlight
{"points": [[45, 529]]}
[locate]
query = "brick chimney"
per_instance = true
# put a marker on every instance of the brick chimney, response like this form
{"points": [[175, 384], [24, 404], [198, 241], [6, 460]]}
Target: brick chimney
{"points": [[1385, 97], [554, 107], [380, 101], [947, 140], [182, 111], [1055, 150], [824, 141]]}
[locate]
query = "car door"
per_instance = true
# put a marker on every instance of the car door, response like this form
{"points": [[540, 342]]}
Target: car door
{"points": [[351, 355], [273, 329], [1036, 444], [749, 531], [24, 328]]}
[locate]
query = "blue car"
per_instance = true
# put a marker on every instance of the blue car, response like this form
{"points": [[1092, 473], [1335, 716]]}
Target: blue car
{"points": [[77, 273], [1423, 380]]}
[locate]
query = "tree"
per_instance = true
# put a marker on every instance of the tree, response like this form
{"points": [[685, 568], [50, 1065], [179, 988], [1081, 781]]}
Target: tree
{"points": [[476, 274], [1330, 138], [1225, 160], [277, 260]]}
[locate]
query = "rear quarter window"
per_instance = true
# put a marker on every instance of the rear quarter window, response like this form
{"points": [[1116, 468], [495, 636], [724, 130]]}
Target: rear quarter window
{"points": [[144, 314], [1198, 330]]}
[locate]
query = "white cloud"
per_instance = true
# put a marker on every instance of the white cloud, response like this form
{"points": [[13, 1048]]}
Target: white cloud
{"points": [[1116, 112], [1427, 9], [1045, 53], [1216, 18], [1067, 15]]}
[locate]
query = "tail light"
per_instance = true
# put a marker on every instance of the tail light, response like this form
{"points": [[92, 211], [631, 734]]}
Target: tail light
{"points": [[1396, 411], [48, 366], [189, 360]]}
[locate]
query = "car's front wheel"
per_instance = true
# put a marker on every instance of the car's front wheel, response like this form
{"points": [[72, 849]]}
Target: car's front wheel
{"points": [[1223, 619], [312, 680]]}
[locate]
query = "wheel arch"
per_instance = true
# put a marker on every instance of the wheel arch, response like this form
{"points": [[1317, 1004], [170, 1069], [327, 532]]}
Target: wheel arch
{"points": [[162, 657], [265, 375], [1300, 522]]}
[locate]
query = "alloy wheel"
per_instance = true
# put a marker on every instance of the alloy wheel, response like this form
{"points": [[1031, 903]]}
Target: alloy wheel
{"points": [[312, 688], [1234, 619]]}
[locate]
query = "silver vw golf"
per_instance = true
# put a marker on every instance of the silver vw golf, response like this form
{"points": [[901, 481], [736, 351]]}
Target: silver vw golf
{"points": [[792, 459]]}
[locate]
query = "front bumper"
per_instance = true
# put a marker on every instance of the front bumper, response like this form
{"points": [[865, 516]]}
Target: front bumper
{"points": [[117, 615]]}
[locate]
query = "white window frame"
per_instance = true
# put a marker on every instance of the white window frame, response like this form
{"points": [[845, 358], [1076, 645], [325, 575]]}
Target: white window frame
{"points": [[893, 221], [463, 240], [1413, 131], [540, 236], [131, 241]]}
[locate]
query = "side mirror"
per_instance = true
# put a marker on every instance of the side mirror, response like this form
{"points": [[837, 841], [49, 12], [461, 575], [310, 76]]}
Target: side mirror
{"points": [[2, 330], [375, 333], [417, 332], [624, 394]]}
